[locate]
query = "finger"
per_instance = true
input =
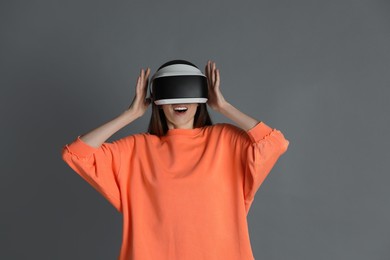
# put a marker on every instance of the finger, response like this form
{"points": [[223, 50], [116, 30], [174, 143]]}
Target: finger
{"points": [[217, 81], [137, 87], [213, 74], [141, 77], [147, 73], [145, 86], [209, 69], [138, 81]]}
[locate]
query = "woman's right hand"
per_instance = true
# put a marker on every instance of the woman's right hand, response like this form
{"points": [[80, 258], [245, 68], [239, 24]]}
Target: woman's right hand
{"points": [[140, 103]]}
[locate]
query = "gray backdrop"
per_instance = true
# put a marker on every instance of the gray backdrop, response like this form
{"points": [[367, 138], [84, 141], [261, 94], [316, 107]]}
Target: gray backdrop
{"points": [[316, 70]]}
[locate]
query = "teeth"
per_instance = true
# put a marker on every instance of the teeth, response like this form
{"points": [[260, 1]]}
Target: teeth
{"points": [[180, 108]]}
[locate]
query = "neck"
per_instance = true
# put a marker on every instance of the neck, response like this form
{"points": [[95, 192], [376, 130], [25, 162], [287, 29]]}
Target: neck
{"points": [[189, 125]]}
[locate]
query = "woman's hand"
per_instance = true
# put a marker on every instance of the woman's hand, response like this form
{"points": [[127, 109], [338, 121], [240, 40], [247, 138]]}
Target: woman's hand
{"points": [[215, 99], [140, 103], [217, 102]]}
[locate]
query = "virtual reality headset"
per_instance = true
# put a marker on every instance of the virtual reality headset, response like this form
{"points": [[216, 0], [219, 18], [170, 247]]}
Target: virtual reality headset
{"points": [[178, 82]]}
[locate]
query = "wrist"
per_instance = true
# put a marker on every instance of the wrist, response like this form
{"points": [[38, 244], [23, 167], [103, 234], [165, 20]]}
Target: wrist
{"points": [[130, 115], [224, 108]]}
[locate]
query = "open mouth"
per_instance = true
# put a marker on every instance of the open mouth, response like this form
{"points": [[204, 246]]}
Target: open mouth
{"points": [[180, 109]]}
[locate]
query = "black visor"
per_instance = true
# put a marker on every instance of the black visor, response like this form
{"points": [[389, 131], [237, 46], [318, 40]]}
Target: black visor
{"points": [[179, 83]]}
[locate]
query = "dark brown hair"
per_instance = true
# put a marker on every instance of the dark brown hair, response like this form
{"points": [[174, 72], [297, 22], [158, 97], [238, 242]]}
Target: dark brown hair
{"points": [[158, 123]]}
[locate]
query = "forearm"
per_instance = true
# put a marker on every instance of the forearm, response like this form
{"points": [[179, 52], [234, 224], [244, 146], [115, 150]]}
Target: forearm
{"points": [[242, 120], [99, 135]]}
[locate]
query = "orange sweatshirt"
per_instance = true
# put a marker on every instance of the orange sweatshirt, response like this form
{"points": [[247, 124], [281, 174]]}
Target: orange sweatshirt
{"points": [[186, 195]]}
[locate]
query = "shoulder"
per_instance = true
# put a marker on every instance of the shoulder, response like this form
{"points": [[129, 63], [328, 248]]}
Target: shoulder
{"points": [[227, 128], [130, 140], [228, 131]]}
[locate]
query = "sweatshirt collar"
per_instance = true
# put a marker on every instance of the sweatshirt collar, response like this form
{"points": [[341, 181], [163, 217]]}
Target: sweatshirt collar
{"points": [[185, 132]]}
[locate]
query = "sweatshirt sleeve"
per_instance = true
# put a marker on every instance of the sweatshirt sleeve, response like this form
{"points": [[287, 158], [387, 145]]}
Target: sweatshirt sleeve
{"points": [[266, 146], [98, 166]]}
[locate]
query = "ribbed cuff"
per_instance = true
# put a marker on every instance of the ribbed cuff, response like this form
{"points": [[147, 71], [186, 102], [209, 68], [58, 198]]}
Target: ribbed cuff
{"points": [[80, 148], [259, 131]]}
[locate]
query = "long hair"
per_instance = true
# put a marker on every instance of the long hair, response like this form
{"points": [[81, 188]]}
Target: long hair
{"points": [[158, 122]]}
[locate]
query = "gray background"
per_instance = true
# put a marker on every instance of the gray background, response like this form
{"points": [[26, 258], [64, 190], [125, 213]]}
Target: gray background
{"points": [[316, 70]]}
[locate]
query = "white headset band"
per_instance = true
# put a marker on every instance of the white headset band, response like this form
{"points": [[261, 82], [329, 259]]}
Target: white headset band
{"points": [[178, 70], [180, 101]]}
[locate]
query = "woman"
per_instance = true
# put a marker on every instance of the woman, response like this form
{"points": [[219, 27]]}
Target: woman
{"points": [[185, 187]]}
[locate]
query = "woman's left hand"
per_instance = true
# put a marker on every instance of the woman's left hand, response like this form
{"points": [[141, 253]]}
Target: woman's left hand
{"points": [[215, 99]]}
